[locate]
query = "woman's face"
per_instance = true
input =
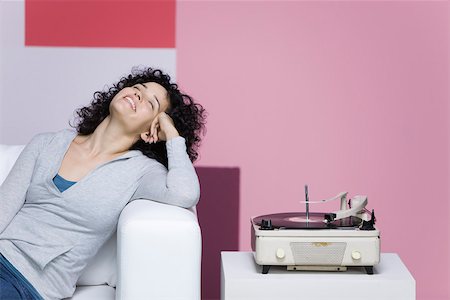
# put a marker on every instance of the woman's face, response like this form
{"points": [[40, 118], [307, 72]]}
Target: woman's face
{"points": [[137, 106]]}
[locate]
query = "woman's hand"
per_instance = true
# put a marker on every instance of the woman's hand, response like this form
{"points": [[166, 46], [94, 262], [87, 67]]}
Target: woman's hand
{"points": [[162, 128]]}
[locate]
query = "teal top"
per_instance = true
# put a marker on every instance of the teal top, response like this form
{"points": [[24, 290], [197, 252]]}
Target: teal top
{"points": [[62, 184]]}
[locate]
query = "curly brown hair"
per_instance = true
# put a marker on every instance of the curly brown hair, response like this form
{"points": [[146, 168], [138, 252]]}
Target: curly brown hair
{"points": [[189, 118]]}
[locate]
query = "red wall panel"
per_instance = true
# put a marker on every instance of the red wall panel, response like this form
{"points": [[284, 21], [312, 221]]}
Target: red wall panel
{"points": [[100, 23]]}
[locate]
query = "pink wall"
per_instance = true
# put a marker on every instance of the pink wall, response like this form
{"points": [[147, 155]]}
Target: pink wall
{"points": [[342, 96]]}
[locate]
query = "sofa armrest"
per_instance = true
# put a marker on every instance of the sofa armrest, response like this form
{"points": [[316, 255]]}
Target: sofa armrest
{"points": [[158, 252]]}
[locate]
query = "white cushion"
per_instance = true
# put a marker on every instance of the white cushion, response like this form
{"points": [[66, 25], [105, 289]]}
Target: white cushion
{"points": [[101, 292], [102, 269]]}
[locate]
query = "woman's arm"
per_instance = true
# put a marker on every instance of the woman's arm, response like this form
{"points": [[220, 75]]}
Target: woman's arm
{"points": [[177, 186], [14, 188]]}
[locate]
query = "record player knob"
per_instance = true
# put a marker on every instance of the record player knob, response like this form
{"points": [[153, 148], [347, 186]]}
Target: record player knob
{"points": [[280, 253], [356, 255], [266, 225]]}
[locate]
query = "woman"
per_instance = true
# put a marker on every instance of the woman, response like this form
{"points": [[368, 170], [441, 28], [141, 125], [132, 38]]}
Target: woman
{"points": [[62, 199]]}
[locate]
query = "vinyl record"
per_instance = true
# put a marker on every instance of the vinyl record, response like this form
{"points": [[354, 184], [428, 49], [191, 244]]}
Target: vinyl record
{"points": [[298, 220]]}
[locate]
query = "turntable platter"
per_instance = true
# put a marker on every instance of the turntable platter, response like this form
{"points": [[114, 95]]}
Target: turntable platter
{"points": [[298, 220]]}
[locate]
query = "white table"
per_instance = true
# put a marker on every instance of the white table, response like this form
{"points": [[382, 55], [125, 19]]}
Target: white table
{"points": [[242, 278]]}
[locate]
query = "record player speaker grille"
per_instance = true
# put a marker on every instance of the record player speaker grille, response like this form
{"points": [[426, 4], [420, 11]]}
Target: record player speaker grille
{"points": [[318, 253]]}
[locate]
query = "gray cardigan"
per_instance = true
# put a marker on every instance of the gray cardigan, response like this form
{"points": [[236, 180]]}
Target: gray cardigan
{"points": [[50, 236]]}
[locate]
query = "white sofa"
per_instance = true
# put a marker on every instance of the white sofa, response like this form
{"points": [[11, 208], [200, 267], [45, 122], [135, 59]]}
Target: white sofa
{"points": [[155, 254]]}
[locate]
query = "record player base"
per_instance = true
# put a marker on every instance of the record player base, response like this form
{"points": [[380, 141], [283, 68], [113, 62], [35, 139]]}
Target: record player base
{"points": [[241, 278]]}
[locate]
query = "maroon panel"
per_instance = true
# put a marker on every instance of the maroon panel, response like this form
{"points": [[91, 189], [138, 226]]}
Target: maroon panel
{"points": [[100, 23], [218, 214]]}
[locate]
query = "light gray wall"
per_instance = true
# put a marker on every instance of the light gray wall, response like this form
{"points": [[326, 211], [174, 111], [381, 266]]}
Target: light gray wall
{"points": [[41, 87]]}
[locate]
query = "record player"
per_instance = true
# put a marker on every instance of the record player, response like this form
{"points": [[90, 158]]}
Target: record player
{"points": [[318, 241]]}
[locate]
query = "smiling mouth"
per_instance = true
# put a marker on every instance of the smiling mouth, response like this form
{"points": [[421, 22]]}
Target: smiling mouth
{"points": [[131, 102]]}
